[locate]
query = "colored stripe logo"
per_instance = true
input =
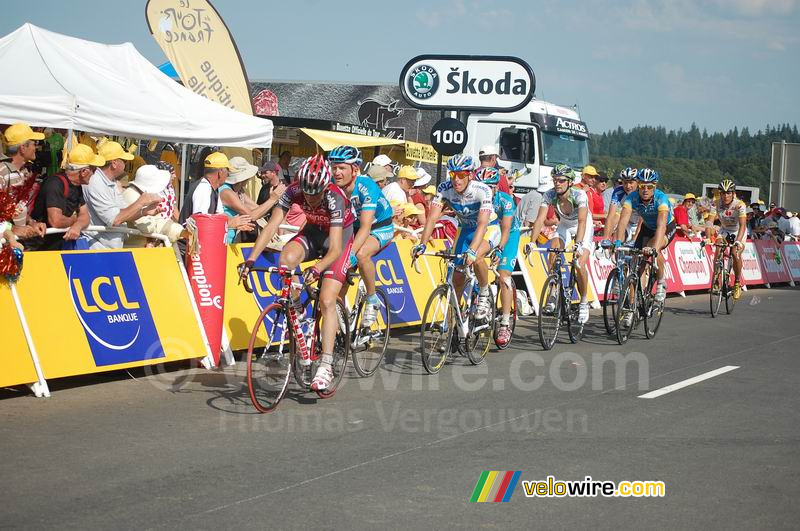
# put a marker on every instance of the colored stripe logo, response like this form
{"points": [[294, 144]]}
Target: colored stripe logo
{"points": [[495, 486]]}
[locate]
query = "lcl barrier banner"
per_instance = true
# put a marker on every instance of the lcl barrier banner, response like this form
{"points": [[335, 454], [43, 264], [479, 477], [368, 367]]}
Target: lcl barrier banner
{"points": [[791, 255], [99, 311], [772, 263], [207, 276], [17, 362]]}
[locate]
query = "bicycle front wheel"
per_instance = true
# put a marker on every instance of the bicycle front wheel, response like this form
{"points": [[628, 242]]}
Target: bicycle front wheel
{"points": [[550, 311], [611, 296], [268, 371], [481, 331], [716, 288], [654, 310], [341, 348], [626, 309], [436, 330], [369, 343], [730, 280]]}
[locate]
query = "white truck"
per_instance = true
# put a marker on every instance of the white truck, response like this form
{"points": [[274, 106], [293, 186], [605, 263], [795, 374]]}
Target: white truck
{"points": [[532, 140]]}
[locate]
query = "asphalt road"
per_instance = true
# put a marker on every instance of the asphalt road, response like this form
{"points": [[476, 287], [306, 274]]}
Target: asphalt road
{"points": [[185, 449]]}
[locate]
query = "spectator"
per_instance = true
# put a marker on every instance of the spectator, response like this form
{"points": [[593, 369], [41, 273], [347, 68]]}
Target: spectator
{"points": [[398, 190], [269, 174], [488, 157], [103, 196], [150, 179], [16, 178], [607, 193], [416, 197], [168, 208], [234, 199], [695, 221], [793, 232], [203, 194], [283, 165], [60, 203], [682, 220], [428, 193], [385, 162], [528, 208], [596, 205], [600, 186], [379, 174]]}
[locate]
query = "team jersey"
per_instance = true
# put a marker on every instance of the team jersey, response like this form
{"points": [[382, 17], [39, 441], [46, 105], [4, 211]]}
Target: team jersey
{"points": [[503, 207], [477, 198], [333, 211], [618, 197], [649, 211], [730, 216], [576, 199], [367, 196]]}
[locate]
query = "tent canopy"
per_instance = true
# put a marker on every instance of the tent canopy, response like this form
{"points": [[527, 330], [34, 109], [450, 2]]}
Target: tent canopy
{"points": [[328, 140], [52, 80]]}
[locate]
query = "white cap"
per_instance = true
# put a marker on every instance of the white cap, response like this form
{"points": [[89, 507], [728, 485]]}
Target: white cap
{"points": [[488, 149], [150, 179], [382, 160], [423, 178]]}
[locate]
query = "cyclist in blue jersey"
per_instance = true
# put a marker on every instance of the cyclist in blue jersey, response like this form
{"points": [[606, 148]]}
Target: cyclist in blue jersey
{"points": [[658, 222], [618, 195], [472, 203], [504, 210], [373, 227]]}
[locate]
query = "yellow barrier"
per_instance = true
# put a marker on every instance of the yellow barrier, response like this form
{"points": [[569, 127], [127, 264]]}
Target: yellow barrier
{"points": [[90, 312], [18, 365]]}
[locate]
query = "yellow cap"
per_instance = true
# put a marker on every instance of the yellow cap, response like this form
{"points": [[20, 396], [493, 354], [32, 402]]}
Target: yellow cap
{"points": [[407, 172], [20, 133], [431, 189], [217, 159], [690, 196], [82, 155], [589, 170], [410, 209], [111, 150]]}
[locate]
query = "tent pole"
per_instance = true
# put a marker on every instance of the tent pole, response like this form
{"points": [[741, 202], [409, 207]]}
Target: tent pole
{"points": [[184, 173]]}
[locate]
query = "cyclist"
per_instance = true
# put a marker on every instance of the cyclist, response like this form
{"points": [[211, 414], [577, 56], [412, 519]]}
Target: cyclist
{"points": [[658, 222], [505, 217], [618, 195], [327, 235], [472, 203], [732, 214], [572, 208], [373, 228]]}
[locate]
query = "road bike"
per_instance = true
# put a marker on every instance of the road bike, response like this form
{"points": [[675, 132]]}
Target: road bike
{"points": [[557, 306], [448, 325], [293, 344], [637, 300], [368, 344], [723, 279], [615, 279]]}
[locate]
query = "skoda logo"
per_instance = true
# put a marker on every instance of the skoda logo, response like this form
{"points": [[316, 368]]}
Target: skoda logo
{"points": [[422, 82]]}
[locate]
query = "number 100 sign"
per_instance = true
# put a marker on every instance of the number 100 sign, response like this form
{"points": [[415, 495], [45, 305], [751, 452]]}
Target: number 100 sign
{"points": [[448, 136]]}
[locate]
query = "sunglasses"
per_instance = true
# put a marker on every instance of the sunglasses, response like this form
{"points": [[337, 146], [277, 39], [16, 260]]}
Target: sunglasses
{"points": [[647, 186], [460, 174], [561, 181]]}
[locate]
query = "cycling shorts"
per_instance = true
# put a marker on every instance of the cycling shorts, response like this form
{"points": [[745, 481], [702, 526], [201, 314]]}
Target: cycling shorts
{"points": [[466, 234], [645, 233], [567, 232], [384, 236], [315, 242], [508, 254]]}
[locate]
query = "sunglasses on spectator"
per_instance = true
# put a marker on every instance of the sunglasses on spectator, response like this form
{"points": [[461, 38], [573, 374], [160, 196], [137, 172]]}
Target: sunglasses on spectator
{"points": [[460, 174], [647, 186]]}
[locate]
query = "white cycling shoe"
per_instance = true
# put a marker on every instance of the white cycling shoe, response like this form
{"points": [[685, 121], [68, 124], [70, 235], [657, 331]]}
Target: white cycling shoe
{"points": [[370, 315], [583, 313], [661, 292], [483, 308], [323, 379]]}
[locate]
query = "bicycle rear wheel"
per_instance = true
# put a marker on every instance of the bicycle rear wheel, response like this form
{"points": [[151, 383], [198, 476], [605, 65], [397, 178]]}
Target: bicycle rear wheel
{"points": [[626, 309], [574, 328], [611, 296], [512, 318], [716, 289], [369, 344], [653, 310], [436, 330], [730, 280], [268, 372], [341, 349], [480, 332], [550, 311]]}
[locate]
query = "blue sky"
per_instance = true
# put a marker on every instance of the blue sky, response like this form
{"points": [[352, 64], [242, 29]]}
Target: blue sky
{"points": [[718, 63]]}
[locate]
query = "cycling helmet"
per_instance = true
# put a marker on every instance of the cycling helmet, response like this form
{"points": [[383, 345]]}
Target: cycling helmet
{"points": [[628, 174], [727, 185], [345, 155], [563, 170], [646, 175], [488, 176], [460, 163], [314, 175]]}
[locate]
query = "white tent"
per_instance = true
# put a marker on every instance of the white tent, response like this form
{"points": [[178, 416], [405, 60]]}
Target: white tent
{"points": [[52, 80]]}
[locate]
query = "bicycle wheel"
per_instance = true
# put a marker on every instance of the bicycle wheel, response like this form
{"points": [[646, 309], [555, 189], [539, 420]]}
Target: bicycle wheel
{"points": [[574, 328], [512, 318], [436, 330], [611, 296], [653, 310], [341, 348], [550, 317], [369, 344], [626, 309], [480, 332], [730, 280], [268, 372], [715, 291]]}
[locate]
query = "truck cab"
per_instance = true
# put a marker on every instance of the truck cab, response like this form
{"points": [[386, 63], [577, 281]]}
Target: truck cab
{"points": [[532, 140]]}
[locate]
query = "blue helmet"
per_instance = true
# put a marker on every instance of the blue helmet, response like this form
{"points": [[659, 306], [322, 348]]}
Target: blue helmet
{"points": [[345, 155], [628, 174], [460, 163], [488, 175], [646, 175]]}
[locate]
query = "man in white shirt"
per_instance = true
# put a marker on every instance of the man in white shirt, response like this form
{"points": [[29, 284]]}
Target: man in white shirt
{"points": [[398, 190], [203, 194]]}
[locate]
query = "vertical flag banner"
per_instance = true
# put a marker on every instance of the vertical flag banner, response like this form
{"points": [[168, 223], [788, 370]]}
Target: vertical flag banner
{"points": [[201, 49], [495, 486]]}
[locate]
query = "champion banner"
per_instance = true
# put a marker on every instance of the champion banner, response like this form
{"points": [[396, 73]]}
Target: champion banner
{"points": [[201, 48]]}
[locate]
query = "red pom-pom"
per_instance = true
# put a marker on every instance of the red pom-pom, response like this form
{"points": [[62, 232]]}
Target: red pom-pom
{"points": [[9, 265], [7, 206]]}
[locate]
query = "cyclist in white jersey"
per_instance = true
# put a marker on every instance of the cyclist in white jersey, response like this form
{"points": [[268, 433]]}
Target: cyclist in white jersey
{"points": [[472, 202], [572, 207], [732, 214]]}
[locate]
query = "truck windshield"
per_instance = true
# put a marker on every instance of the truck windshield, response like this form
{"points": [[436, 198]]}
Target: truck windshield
{"points": [[564, 149]]}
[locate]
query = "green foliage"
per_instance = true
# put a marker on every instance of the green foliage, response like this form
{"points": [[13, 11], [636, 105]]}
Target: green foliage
{"points": [[687, 159]]}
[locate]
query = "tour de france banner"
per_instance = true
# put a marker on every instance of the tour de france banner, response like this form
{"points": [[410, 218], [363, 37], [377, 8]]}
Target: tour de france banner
{"points": [[18, 365], [98, 311], [200, 47]]}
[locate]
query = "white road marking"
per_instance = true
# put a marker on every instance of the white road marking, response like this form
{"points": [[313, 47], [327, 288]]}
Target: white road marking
{"points": [[690, 381]]}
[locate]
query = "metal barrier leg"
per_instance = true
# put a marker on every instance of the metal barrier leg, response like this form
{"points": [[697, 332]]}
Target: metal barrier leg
{"points": [[39, 387]]}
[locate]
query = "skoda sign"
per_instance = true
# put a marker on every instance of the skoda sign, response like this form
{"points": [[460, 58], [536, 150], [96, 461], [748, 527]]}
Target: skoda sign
{"points": [[467, 82]]}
